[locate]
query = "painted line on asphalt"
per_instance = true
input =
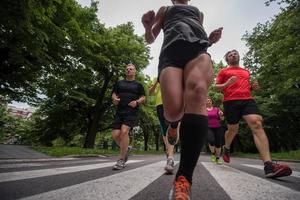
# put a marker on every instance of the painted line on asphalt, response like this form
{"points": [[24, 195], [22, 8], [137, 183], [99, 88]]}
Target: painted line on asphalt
{"points": [[13, 176], [120, 186], [295, 174], [38, 164], [35, 160], [240, 185]]}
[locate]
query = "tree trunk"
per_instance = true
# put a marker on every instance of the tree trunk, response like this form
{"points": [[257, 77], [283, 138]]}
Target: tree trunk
{"points": [[146, 137], [93, 126], [96, 115], [157, 140]]}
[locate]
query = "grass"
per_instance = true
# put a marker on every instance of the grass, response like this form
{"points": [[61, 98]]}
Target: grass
{"points": [[78, 151], [291, 155]]}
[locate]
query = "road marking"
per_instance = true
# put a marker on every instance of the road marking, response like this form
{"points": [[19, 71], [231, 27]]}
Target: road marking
{"points": [[19, 165], [13, 176], [38, 164], [36, 160], [120, 186], [240, 185], [295, 174]]}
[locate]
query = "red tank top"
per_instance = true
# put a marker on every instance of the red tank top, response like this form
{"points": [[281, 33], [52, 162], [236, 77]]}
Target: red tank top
{"points": [[241, 89]]}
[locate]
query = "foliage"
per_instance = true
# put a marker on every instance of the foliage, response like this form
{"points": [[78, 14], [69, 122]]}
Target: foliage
{"points": [[12, 129], [58, 56], [274, 50]]}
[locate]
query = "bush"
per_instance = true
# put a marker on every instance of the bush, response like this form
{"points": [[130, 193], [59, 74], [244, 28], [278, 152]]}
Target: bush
{"points": [[58, 142]]}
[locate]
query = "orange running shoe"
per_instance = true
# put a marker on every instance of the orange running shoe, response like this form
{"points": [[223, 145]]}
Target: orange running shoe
{"points": [[181, 189], [173, 134]]}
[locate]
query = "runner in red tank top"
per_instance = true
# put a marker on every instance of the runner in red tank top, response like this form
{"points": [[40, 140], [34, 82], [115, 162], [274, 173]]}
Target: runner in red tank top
{"points": [[234, 82]]}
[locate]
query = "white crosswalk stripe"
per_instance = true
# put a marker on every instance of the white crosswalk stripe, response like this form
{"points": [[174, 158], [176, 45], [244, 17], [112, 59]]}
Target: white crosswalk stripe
{"points": [[38, 164], [123, 185], [295, 174], [239, 185], [115, 187], [13, 176]]}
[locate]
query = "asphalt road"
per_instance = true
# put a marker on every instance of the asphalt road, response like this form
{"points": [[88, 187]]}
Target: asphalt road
{"points": [[142, 179]]}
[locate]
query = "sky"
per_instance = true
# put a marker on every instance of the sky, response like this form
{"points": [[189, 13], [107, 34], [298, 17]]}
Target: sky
{"points": [[235, 16]]}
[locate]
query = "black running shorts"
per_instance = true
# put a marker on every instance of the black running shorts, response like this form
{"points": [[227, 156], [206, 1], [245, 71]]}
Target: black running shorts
{"points": [[179, 54], [235, 109], [126, 119]]}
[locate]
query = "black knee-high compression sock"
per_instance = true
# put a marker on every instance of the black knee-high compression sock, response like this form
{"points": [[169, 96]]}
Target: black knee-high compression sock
{"points": [[193, 132]]}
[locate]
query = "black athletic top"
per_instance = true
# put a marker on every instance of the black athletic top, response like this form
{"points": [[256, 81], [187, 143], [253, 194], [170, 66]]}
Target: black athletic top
{"points": [[182, 22], [128, 91]]}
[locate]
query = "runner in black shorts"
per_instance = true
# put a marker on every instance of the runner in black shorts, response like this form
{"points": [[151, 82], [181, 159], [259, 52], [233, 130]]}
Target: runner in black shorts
{"points": [[185, 73], [127, 95], [234, 110], [234, 81]]}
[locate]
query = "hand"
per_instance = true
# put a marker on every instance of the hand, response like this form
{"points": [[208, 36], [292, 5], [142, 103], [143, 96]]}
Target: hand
{"points": [[116, 101], [255, 85], [231, 80], [148, 19], [133, 104], [215, 35]]}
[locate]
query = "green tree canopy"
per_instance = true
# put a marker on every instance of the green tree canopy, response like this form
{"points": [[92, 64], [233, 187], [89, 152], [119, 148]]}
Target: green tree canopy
{"points": [[274, 50]]}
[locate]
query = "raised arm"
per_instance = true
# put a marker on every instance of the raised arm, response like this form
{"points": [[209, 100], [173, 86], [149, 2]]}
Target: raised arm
{"points": [[215, 35], [115, 99], [153, 87], [221, 86], [221, 115], [153, 23]]}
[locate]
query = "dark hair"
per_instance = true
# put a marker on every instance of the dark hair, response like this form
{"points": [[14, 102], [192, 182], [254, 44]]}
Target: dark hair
{"points": [[210, 99], [228, 52], [174, 0]]}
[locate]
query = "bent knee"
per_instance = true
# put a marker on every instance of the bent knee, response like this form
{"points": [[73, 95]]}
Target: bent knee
{"points": [[173, 113], [256, 123], [197, 91]]}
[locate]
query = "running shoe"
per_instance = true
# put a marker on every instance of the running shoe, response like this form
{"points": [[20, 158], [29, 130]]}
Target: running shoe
{"points": [[219, 161], [275, 170], [119, 165], [173, 134], [181, 189], [127, 153], [170, 166], [213, 158], [226, 154]]}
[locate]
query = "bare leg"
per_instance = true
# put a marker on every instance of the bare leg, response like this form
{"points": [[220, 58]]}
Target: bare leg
{"points": [[169, 148], [124, 142], [116, 136], [230, 134], [197, 78], [212, 149], [260, 138], [218, 152], [172, 93]]}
